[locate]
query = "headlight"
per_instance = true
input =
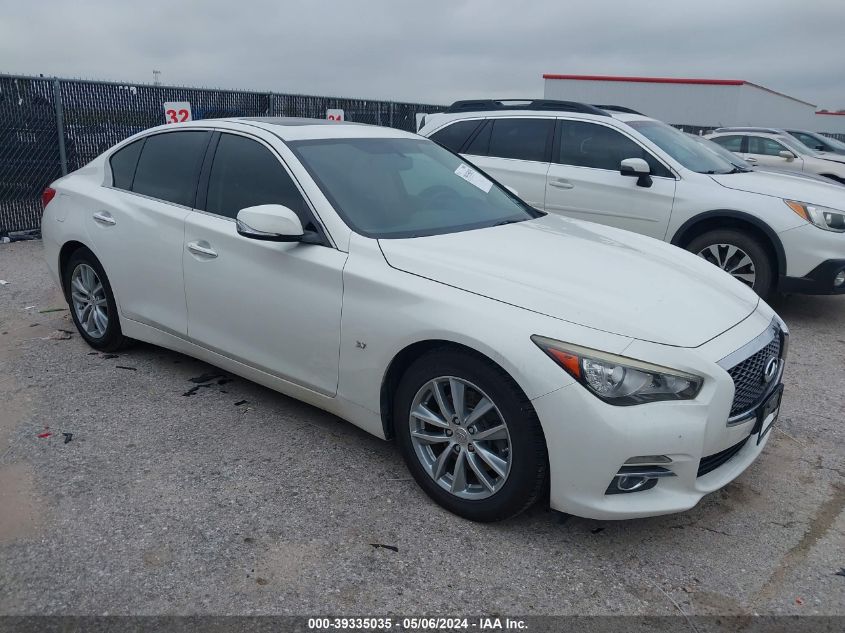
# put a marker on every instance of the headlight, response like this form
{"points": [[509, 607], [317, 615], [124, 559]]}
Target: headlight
{"points": [[619, 380], [823, 217]]}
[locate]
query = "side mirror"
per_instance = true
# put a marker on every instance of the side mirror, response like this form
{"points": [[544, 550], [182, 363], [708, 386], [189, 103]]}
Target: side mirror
{"points": [[636, 168], [787, 155], [270, 223]]}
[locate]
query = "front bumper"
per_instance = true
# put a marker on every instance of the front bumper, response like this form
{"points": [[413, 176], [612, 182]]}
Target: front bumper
{"points": [[589, 440], [818, 281]]}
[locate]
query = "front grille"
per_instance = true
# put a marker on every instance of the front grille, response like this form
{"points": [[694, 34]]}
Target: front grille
{"points": [[712, 462], [748, 378]]}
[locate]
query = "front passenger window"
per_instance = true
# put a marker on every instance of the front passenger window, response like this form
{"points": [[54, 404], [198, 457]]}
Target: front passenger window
{"points": [[597, 146], [247, 174], [764, 146]]}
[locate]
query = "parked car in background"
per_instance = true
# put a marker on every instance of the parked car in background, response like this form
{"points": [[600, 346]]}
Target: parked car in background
{"points": [[771, 232], [739, 162], [813, 140], [780, 150], [374, 274], [819, 142]]}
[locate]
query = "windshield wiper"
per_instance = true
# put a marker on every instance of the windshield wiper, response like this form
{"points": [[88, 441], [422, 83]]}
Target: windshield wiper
{"points": [[503, 222]]}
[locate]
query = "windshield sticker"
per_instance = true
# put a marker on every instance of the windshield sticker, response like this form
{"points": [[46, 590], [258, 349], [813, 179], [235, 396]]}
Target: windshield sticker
{"points": [[473, 177]]}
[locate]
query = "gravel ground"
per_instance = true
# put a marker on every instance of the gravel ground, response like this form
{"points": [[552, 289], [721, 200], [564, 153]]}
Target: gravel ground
{"points": [[167, 503]]}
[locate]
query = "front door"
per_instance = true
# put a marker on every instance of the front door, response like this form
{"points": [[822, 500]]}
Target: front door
{"points": [[272, 305], [584, 181]]}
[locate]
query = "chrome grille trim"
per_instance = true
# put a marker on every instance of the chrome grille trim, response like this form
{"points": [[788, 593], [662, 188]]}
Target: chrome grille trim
{"points": [[745, 368]]}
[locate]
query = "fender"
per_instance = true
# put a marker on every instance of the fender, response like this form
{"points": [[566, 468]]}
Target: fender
{"points": [[716, 214]]}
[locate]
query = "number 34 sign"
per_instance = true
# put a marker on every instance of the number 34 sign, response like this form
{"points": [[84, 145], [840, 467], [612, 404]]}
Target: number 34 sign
{"points": [[177, 111]]}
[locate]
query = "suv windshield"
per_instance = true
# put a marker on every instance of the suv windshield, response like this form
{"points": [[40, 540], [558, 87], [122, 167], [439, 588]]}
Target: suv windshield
{"points": [[682, 148], [405, 187]]}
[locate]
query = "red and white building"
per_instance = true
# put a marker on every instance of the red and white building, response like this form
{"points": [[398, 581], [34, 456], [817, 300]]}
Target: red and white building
{"points": [[698, 103]]}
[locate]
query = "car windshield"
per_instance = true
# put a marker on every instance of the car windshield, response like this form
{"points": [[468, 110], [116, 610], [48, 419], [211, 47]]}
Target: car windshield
{"points": [[406, 187], [721, 151], [683, 149]]}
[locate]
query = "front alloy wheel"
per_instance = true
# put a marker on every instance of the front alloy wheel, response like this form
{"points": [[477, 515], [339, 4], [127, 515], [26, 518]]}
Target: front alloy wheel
{"points": [[732, 260], [469, 435], [460, 438]]}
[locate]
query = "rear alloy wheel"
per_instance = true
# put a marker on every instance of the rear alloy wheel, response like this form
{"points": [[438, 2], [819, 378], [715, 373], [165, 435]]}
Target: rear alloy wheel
{"points": [[91, 301], [738, 254], [470, 436]]}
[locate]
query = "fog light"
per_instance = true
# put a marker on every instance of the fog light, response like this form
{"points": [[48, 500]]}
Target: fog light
{"points": [[636, 479], [839, 280]]}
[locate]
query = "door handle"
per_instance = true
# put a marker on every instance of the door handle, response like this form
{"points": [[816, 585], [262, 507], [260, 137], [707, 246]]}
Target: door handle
{"points": [[105, 218], [750, 160], [205, 251], [561, 184]]}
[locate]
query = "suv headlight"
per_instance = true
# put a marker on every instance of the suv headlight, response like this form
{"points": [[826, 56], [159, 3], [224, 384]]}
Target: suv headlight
{"points": [[620, 380], [823, 217]]}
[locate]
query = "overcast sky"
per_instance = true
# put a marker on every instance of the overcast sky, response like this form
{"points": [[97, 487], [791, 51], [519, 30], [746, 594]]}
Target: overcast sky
{"points": [[432, 51]]}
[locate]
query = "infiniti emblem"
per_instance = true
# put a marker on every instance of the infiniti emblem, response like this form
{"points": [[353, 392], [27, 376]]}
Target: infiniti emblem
{"points": [[770, 370]]}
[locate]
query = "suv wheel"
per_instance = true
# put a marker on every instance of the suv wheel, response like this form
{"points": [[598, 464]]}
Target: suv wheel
{"points": [[469, 436], [91, 301], [739, 254]]}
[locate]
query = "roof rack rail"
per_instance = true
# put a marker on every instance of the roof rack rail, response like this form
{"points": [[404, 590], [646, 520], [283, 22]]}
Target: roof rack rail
{"points": [[750, 128], [617, 108], [482, 105]]}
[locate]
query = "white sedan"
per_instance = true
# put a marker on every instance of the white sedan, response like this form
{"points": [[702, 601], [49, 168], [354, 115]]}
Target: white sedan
{"points": [[376, 275]]}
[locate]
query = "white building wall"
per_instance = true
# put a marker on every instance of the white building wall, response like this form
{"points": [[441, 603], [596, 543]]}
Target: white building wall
{"points": [[758, 106], [691, 104], [705, 105]]}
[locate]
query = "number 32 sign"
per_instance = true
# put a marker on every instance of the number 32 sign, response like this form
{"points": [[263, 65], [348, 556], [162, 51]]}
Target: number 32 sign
{"points": [[177, 111]]}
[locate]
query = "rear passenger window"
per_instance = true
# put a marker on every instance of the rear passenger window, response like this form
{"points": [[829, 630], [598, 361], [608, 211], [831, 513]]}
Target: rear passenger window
{"points": [[123, 163], [600, 147], [480, 145], [169, 166], [730, 143], [246, 174], [454, 136], [522, 139]]}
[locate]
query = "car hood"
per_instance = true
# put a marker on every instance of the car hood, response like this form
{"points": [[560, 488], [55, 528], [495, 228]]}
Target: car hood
{"points": [[836, 158], [584, 273], [786, 186]]}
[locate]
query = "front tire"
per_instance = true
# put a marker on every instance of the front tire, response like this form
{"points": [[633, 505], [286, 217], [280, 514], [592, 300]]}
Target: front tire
{"points": [[739, 254], [91, 301], [469, 436]]}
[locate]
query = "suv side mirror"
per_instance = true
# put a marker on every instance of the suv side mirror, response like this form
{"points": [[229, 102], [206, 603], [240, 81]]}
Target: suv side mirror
{"points": [[636, 168], [787, 155], [270, 223]]}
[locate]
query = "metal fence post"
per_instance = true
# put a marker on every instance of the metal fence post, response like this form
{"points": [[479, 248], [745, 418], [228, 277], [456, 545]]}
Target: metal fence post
{"points": [[391, 113], [60, 124]]}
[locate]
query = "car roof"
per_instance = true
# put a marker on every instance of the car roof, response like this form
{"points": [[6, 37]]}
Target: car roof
{"points": [[293, 128]]}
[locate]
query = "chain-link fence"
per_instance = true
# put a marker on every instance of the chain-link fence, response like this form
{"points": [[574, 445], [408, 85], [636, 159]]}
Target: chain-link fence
{"points": [[52, 126]]}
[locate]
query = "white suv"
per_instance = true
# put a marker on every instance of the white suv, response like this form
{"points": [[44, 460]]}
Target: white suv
{"points": [[772, 232]]}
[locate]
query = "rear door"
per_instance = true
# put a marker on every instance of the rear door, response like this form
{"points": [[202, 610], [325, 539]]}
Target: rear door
{"points": [[516, 152], [138, 236], [272, 305], [584, 181]]}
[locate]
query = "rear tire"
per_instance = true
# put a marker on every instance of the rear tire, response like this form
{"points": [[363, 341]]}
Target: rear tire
{"points": [[739, 254], [504, 463], [91, 302]]}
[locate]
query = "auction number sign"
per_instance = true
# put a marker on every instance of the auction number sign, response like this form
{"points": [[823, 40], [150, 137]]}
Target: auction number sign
{"points": [[334, 115], [177, 111]]}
